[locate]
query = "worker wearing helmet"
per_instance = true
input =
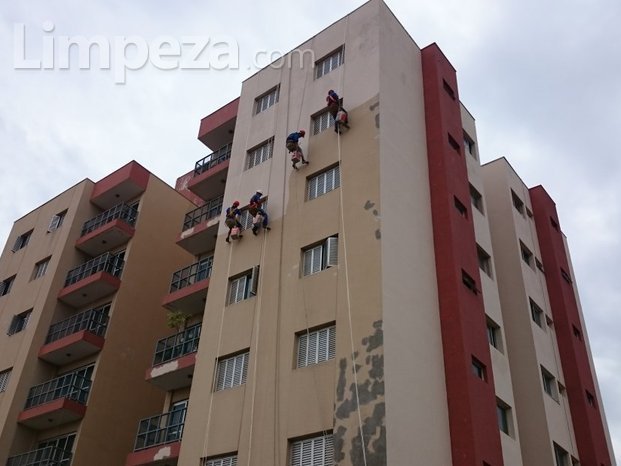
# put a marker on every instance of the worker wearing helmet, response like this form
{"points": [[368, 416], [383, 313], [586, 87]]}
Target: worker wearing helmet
{"points": [[336, 110], [232, 219], [294, 149], [259, 215]]}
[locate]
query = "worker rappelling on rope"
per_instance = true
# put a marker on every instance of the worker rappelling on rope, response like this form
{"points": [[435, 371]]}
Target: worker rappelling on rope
{"points": [[338, 113], [294, 149], [232, 221], [259, 215]]}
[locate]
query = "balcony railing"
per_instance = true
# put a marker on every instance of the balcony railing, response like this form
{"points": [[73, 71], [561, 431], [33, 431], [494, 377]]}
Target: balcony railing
{"points": [[213, 159], [108, 262], [48, 456], [72, 386], [178, 345], [211, 209], [120, 211], [94, 320], [192, 274], [157, 430]]}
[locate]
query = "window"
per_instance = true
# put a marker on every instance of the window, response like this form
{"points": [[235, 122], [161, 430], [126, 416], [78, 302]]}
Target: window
{"points": [[577, 332], [476, 199], [554, 224], [260, 154], [266, 100], [176, 420], [493, 334], [317, 346], [517, 202], [232, 371], [448, 89], [485, 261], [57, 449], [453, 143], [316, 451], [329, 63], [229, 460], [246, 218], [536, 313], [320, 257], [460, 207], [244, 286], [469, 146], [503, 412], [40, 268], [19, 322], [561, 457], [56, 221], [4, 379], [549, 383], [478, 369], [469, 282], [22, 241], [590, 398], [539, 265], [323, 183], [5, 285], [322, 121], [527, 256], [529, 214], [565, 276]]}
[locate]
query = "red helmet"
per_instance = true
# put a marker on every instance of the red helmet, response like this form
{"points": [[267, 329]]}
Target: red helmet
{"points": [[235, 204], [302, 132]]}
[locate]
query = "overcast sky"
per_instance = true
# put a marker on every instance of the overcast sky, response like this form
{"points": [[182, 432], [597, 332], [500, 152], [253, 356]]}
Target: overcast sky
{"points": [[542, 79]]}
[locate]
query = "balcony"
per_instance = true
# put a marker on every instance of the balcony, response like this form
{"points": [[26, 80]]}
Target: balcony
{"points": [[210, 174], [175, 357], [123, 185], [217, 128], [59, 401], [200, 227], [77, 337], [48, 456], [158, 440], [108, 230], [188, 288], [93, 280]]}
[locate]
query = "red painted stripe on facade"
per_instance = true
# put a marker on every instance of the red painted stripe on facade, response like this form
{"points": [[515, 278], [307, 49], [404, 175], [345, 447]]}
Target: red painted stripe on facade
{"points": [[218, 118], [82, 335], [116, 224], [104, 277], [132, 171], [153, 455], [586, 419], [475, 436], [52, 407]]}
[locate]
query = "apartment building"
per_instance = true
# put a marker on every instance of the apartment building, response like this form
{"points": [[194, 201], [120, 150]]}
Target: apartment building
{"points": [[408, 306], [82, 279]]}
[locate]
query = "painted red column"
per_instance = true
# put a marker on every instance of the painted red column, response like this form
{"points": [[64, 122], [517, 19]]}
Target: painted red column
{"points": [[475, 435], [579, 380]]}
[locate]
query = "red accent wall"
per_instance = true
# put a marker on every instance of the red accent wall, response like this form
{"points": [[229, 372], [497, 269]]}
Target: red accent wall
{"points": [[587, 420], [218, 118], [475, 436]]}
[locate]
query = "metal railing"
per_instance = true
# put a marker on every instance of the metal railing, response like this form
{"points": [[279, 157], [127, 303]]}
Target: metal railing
{"points": [[213, 159], [121, 211], [107, 262], [196, 272], [94, 320], [72, 386], [209, 210], [48, 456], [178, 345], [157, 430]]}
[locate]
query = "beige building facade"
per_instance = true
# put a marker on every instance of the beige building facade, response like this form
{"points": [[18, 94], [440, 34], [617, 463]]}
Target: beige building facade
{"points": [[389, 316]]}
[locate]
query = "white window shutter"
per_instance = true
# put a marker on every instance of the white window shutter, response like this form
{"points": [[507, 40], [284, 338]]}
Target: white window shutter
{"points": [[54, 223], [303, 350], [332, 343], [317, 259], [254, 281], [332, 252]]}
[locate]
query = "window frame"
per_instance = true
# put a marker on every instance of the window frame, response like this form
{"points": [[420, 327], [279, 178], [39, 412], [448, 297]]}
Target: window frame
{"points": [[518, 203], [485, 261], [504, 418], [494, 335], [5, 377], [250, 285], [327, 249], [537, 314], [323, 182], [476, 199], [6, 285], [549, 384], [308, 447], [267, 97], [228, 459], [309, 339], [22, 240], [235, 378], [260, 153], [321, 121], [57, 221], [320, 65], [40, 268], [19, 322]]}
